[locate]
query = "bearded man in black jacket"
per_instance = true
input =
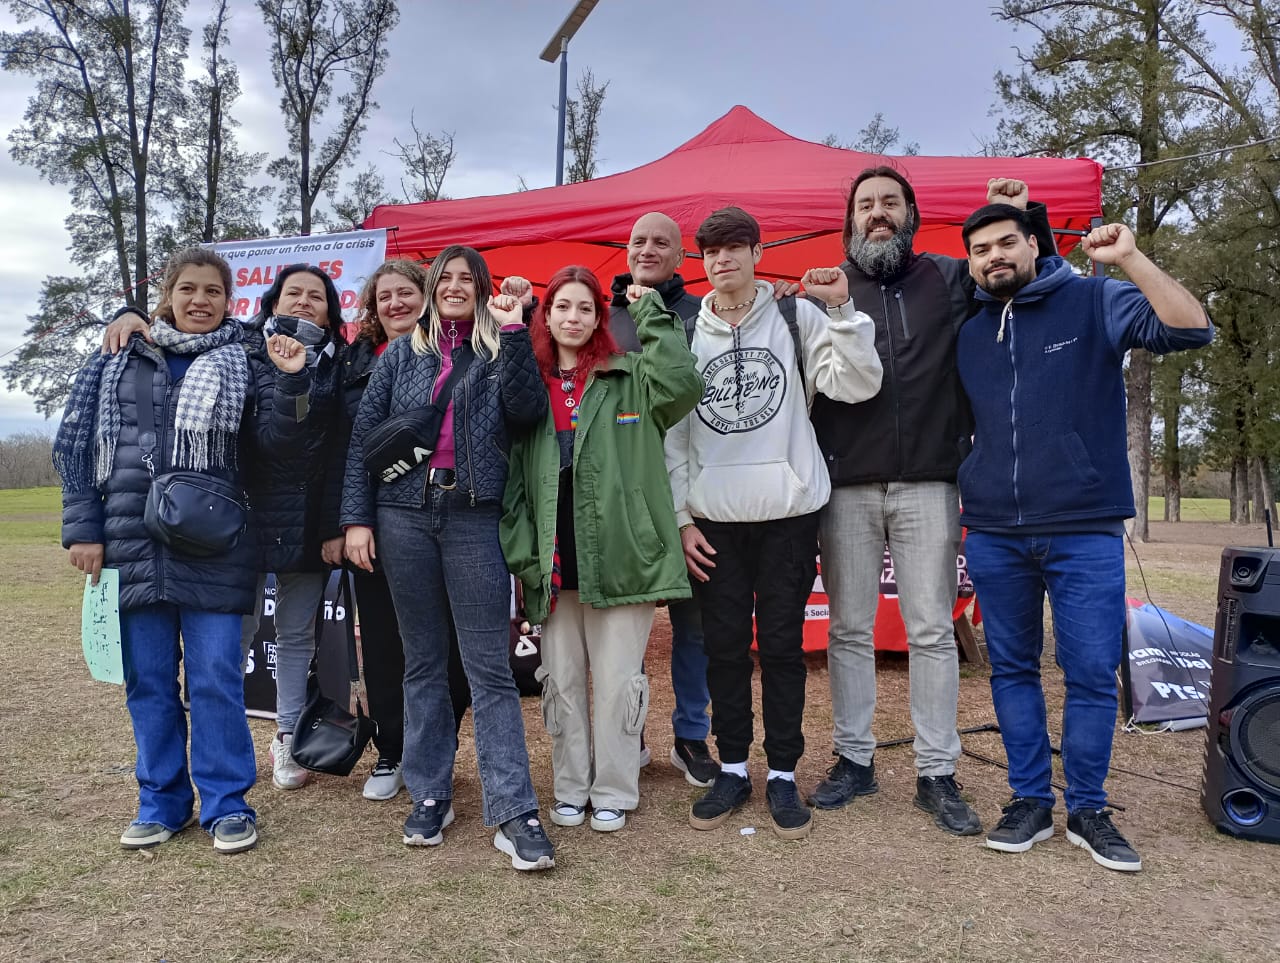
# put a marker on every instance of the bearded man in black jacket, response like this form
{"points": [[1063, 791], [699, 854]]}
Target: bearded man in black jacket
{"points": [[893, 462]]}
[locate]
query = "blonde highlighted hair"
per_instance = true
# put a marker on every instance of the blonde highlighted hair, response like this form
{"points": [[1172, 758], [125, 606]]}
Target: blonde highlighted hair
{"points": [[484, 335]]}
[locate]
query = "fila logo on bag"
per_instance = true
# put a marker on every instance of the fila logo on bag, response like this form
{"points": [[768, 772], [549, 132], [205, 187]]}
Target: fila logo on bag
{"points": [[403, 467]]}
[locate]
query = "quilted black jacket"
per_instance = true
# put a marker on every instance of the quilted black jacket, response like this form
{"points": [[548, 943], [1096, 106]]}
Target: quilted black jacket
{"points": [[294, 500], [496, 401], [112, 516]]}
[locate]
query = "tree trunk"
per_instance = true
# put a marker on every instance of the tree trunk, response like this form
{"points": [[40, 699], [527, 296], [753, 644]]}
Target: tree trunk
{"points": [[1233, 504], [1240, 489], [1263, 496], [1138, 385], [1268, 490], [1172, 459]]}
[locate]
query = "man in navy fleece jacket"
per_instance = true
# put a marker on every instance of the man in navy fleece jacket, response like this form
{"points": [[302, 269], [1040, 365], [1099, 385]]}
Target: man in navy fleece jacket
{"points": [[1045, 494]]}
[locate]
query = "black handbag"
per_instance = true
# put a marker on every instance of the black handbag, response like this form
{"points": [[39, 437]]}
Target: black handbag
{"points": [[193, 513], [327, 736], [398, 445]]}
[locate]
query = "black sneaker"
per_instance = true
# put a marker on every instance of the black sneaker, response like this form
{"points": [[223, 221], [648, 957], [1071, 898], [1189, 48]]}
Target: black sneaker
{"points": [[425, 825], [1025, 822], [940, 795], [526, 842], [1093, 830], [727, 793], [790, 817], [845, 780], [692, 758]]}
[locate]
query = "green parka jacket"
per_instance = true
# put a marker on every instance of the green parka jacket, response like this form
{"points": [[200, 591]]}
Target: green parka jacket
{"points": [[624, 522]]}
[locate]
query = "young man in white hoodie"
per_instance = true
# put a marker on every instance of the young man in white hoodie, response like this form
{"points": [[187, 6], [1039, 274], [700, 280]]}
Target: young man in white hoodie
{"points": [[748, 480]]}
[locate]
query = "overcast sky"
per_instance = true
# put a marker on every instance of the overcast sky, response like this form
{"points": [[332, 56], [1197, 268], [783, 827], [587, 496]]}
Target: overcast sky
{"points": [[808, 67]]}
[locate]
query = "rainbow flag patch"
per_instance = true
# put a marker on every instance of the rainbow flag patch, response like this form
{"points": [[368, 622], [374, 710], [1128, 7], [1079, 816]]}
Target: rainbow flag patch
{"points": [[628, 417]]}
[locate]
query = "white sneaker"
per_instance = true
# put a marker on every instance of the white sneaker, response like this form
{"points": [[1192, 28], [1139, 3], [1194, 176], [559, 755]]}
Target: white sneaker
{"points": [[607, 820], [285, 773], [567, 814], [386, 780], [646, 756]]}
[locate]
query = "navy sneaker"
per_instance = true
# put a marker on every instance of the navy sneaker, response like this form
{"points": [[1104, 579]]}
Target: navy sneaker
{"points": [[1025, 822], [1092, 830], [845, 780], [425, 825], [526, 842], [142, 835], [790, 817], [235, 834], [727, 794]]}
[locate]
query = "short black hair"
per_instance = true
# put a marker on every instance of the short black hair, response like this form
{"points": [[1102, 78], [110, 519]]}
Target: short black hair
{"points": [[729, 225], [990, 214]]}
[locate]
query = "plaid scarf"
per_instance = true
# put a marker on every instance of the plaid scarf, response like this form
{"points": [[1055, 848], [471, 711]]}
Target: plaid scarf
{"points": [[210, 404]]}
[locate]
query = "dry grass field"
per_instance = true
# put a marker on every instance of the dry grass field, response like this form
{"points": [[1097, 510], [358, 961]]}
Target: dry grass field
{"points": [[331, 881]]}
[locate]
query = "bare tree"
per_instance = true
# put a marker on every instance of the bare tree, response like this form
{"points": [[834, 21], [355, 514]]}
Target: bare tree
{"points": [[876, 138], [364, 192], [26, 461], [426, 161], [582, 128], [216, 199], [316, 44]]}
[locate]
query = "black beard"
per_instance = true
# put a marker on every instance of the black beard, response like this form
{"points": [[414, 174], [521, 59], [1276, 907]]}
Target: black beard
{"points": [[1007, 288], [882, 259]]}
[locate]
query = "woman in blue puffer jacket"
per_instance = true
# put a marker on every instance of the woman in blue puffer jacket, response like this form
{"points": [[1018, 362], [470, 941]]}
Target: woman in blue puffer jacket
{"points": [[209, 416]]}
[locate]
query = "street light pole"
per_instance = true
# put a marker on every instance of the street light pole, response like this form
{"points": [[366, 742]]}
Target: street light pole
{"points": [[564, 103], [558, 45]]}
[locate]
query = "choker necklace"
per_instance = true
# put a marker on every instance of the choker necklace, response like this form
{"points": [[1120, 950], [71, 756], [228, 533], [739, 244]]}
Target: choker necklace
{"points": [[734, 307]]}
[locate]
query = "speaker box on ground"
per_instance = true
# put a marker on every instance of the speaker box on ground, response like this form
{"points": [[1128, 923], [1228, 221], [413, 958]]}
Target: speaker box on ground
{"points": [[1241, 786]]}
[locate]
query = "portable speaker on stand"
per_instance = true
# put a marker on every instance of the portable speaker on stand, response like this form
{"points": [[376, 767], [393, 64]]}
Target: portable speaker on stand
{"points": [[1241, 786]]}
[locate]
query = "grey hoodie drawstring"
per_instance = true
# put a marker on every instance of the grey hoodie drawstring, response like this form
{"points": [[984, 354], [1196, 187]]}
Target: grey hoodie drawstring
{"points": [[1004, 314]]}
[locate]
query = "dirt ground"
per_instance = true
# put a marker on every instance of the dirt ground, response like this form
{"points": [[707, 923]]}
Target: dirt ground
{"points": [[331, 880]]}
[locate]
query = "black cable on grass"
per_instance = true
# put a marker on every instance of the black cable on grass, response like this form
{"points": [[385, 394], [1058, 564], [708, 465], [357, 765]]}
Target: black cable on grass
{"points": [[1056, 750]]}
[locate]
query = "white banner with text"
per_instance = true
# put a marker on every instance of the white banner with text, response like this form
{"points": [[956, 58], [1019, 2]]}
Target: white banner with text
{"points": [[348, 258]]}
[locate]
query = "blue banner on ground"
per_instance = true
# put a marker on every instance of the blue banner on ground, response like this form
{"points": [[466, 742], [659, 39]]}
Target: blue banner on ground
{"points": [[1164, 678]]}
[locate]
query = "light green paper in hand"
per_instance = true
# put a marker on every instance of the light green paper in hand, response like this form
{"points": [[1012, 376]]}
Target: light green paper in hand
{"points": [[100, 627]]}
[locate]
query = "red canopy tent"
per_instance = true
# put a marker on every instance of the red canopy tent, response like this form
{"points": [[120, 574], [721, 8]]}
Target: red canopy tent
{"points": [[795, 188]]}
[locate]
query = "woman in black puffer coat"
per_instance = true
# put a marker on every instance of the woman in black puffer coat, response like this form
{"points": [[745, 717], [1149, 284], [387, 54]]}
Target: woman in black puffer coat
{"points": [[294, 501]]}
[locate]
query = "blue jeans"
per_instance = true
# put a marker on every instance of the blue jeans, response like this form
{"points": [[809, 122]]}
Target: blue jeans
{"points": [[689, 719], [1084, 576], [222, 762], [439, 559]]}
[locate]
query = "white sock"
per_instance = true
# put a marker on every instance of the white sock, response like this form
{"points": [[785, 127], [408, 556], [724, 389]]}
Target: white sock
{"points": [[788, 776], [736, 768]]}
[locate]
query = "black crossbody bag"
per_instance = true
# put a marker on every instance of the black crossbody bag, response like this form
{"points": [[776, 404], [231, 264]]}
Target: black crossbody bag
{"points": [[191, 512], [398, 445]]}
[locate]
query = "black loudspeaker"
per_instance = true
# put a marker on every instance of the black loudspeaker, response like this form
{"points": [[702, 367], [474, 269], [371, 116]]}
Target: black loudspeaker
{"points": [[1241, 786]]}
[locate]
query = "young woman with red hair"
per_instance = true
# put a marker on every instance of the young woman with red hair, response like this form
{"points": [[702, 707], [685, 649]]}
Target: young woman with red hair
{"points": [[590, 530]]}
